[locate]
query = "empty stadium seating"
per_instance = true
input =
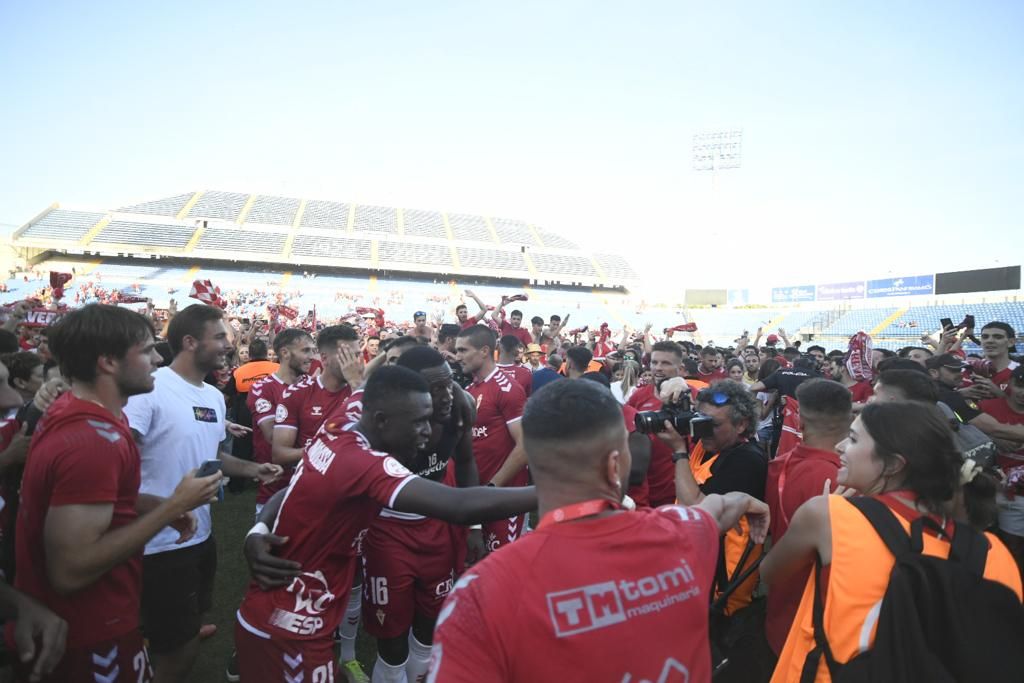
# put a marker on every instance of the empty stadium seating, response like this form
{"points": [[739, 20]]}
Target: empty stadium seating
{"points": [[513, 232], [343, 248], [422, 253], [219, 205], [375, 219], [555, 241], [168, 206], [325, 214], [578, 268], [273, 210], [491, 260], [615, 267], [231, 239], [424, 224], [146, 234], [469, 228], [61, 224]]}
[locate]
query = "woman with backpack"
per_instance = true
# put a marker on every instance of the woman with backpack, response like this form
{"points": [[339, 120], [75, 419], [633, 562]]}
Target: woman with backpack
{"points": [[901, 458]]}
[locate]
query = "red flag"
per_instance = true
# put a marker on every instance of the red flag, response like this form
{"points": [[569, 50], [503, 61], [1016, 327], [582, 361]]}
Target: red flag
{"points": [[284, 311], [203, 290], [685, 327], [57, 282]]}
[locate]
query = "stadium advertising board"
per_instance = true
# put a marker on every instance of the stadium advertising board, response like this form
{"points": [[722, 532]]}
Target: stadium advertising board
{"points": [[706, 297], [841, 290], [983, 280], [901, 286], [739, 297], [789, 295]]}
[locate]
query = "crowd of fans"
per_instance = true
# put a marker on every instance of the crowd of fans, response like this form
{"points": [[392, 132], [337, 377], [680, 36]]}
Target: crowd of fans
{"points": [[500, 498]]}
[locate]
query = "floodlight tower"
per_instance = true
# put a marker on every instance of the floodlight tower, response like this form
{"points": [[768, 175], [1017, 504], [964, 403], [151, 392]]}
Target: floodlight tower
{"points": [[718, 150]]}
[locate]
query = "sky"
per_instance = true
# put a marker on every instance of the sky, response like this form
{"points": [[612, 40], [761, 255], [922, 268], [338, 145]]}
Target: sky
{"points": [[878, 138]]}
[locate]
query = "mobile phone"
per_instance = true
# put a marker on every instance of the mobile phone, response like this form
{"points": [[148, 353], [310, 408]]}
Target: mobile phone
{"points": [[946, 323], [969, 322], [208, 468]]}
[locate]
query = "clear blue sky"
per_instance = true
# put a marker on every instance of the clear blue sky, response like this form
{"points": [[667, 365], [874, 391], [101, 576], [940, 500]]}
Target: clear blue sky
{"points": [[878, 136]]}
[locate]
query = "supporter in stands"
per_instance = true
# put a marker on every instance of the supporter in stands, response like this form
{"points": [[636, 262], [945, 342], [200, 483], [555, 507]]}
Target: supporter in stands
{"points": [[510, 351], [533, 354], [902, 455], [496, 624], [25, 373], [497, 433], [83, 522], [179, 426], [796, 477], [549, 373]]}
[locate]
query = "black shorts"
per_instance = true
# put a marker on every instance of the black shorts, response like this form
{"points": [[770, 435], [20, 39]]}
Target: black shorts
{"points": [[177, 588]]}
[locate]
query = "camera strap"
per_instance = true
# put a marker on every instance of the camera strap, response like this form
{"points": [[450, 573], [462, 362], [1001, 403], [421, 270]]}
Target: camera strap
{"points": [[576, 511]]}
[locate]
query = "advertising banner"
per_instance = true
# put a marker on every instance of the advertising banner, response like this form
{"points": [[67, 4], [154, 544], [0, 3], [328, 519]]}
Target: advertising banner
{"points": [[790, 295], [841, 290], [901, 286]]}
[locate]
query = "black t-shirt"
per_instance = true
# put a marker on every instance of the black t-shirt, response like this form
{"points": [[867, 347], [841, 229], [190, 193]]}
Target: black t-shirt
{"points": [[744, 468], [786, 380], [965, 408]]}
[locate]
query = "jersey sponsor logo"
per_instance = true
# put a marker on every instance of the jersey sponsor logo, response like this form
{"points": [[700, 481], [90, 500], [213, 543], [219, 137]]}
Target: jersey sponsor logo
{"points": [[480, 432], [312, 598], [598, 605], [393, 468], [320, 457], [672, 671], [281, 414], [204, 414], [262, 405], [443, 588]]}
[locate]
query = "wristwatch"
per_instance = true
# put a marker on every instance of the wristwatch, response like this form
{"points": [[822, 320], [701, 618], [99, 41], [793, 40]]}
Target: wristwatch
{"points": [[680, 455]]}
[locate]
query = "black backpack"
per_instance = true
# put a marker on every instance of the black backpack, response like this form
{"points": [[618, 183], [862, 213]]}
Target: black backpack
{"points": [[940, 620]]}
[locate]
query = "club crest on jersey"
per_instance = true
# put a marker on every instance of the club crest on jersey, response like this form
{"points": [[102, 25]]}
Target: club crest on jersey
{"points": [[381, 616], [395, 468], [262, 405], [479, 400]]}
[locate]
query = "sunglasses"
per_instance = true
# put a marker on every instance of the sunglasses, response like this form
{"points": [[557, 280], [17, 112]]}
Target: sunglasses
{"points": [[715, 398]]}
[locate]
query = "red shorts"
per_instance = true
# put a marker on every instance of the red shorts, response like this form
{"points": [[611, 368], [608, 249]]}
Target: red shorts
{"points": [[409, 567], [503, 531], [121, 660], [264, 660]]}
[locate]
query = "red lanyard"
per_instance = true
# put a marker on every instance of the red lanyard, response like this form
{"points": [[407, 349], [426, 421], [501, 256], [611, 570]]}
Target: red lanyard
{"points": [[575, 511]]}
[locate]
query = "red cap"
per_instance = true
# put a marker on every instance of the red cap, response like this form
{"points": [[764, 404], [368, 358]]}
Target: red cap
{"points": [[772, 339]]}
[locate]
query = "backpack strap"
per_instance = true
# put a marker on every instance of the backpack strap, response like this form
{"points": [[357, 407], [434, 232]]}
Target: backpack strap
{"points": [[821, 647], [969, 548], [886, 525]]}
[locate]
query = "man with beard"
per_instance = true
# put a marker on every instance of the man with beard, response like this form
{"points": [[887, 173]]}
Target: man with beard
{"points": [[666, 363], [179, 426]]}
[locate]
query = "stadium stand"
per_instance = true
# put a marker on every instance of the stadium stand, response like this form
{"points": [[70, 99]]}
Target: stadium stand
{"points": [[490, 260], [562, 264], [219, 205], [469, 228], [145, 234], [344, 248], [513, 232], [555, 241], [61, 224], [218, 239], [273, 210], [375, 219], [420, 253], [320, 213], [424, 224], [169, 206]]}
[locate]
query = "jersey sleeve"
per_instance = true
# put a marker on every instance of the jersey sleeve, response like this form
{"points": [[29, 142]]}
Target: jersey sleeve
{"points": [[511, 403], [465, 650], [139, 411], [260, 404], [374, 475], [527, 381], [84, 470], [771, 382], [289, 408], [701, 532]]}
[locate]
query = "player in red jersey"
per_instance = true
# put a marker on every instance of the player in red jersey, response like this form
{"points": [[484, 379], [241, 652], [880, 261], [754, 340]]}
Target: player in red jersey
{"points": [[301, 411], [497, 434], [510, 355], [411, 561], [295, 351], [346, 477], [82, 524], [559, 604], [666, 363]]}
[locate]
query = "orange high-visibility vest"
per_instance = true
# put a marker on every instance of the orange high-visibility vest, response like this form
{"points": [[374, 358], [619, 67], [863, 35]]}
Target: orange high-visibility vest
{"points": [[252, 372]]}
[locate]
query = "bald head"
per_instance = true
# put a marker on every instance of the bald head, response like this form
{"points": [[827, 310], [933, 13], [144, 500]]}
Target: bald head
{"points": [[569, 430]]}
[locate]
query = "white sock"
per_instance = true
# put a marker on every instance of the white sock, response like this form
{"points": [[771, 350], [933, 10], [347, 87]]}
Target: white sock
{"points": [[350, 626], [388, 673], [419, 660]]}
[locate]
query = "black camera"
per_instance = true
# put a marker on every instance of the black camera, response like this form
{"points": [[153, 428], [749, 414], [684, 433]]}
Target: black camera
{"points": [[679, 415]]}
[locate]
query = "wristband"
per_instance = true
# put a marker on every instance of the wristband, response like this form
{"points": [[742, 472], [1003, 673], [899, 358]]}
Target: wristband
{"points": [[259, 528], [490, 483], [680, 455], [476, 527]]}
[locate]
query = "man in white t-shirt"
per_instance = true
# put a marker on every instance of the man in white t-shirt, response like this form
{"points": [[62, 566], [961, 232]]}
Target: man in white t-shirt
{"points": [[179, 426]]}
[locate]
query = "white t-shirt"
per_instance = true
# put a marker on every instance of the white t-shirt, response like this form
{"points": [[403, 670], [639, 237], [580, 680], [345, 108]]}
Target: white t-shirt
{"points": [[181, 426]]}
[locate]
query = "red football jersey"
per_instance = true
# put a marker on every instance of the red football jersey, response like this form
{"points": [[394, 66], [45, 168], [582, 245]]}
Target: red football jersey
{"points": [[499, 403], [520, 332], [564, 600], [338, 489], [1000, 410], [305, 405], [520, 375], [1002, 378], [81, 455], [661, 474], [862, 391], [713, 376], [262, 402]]}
